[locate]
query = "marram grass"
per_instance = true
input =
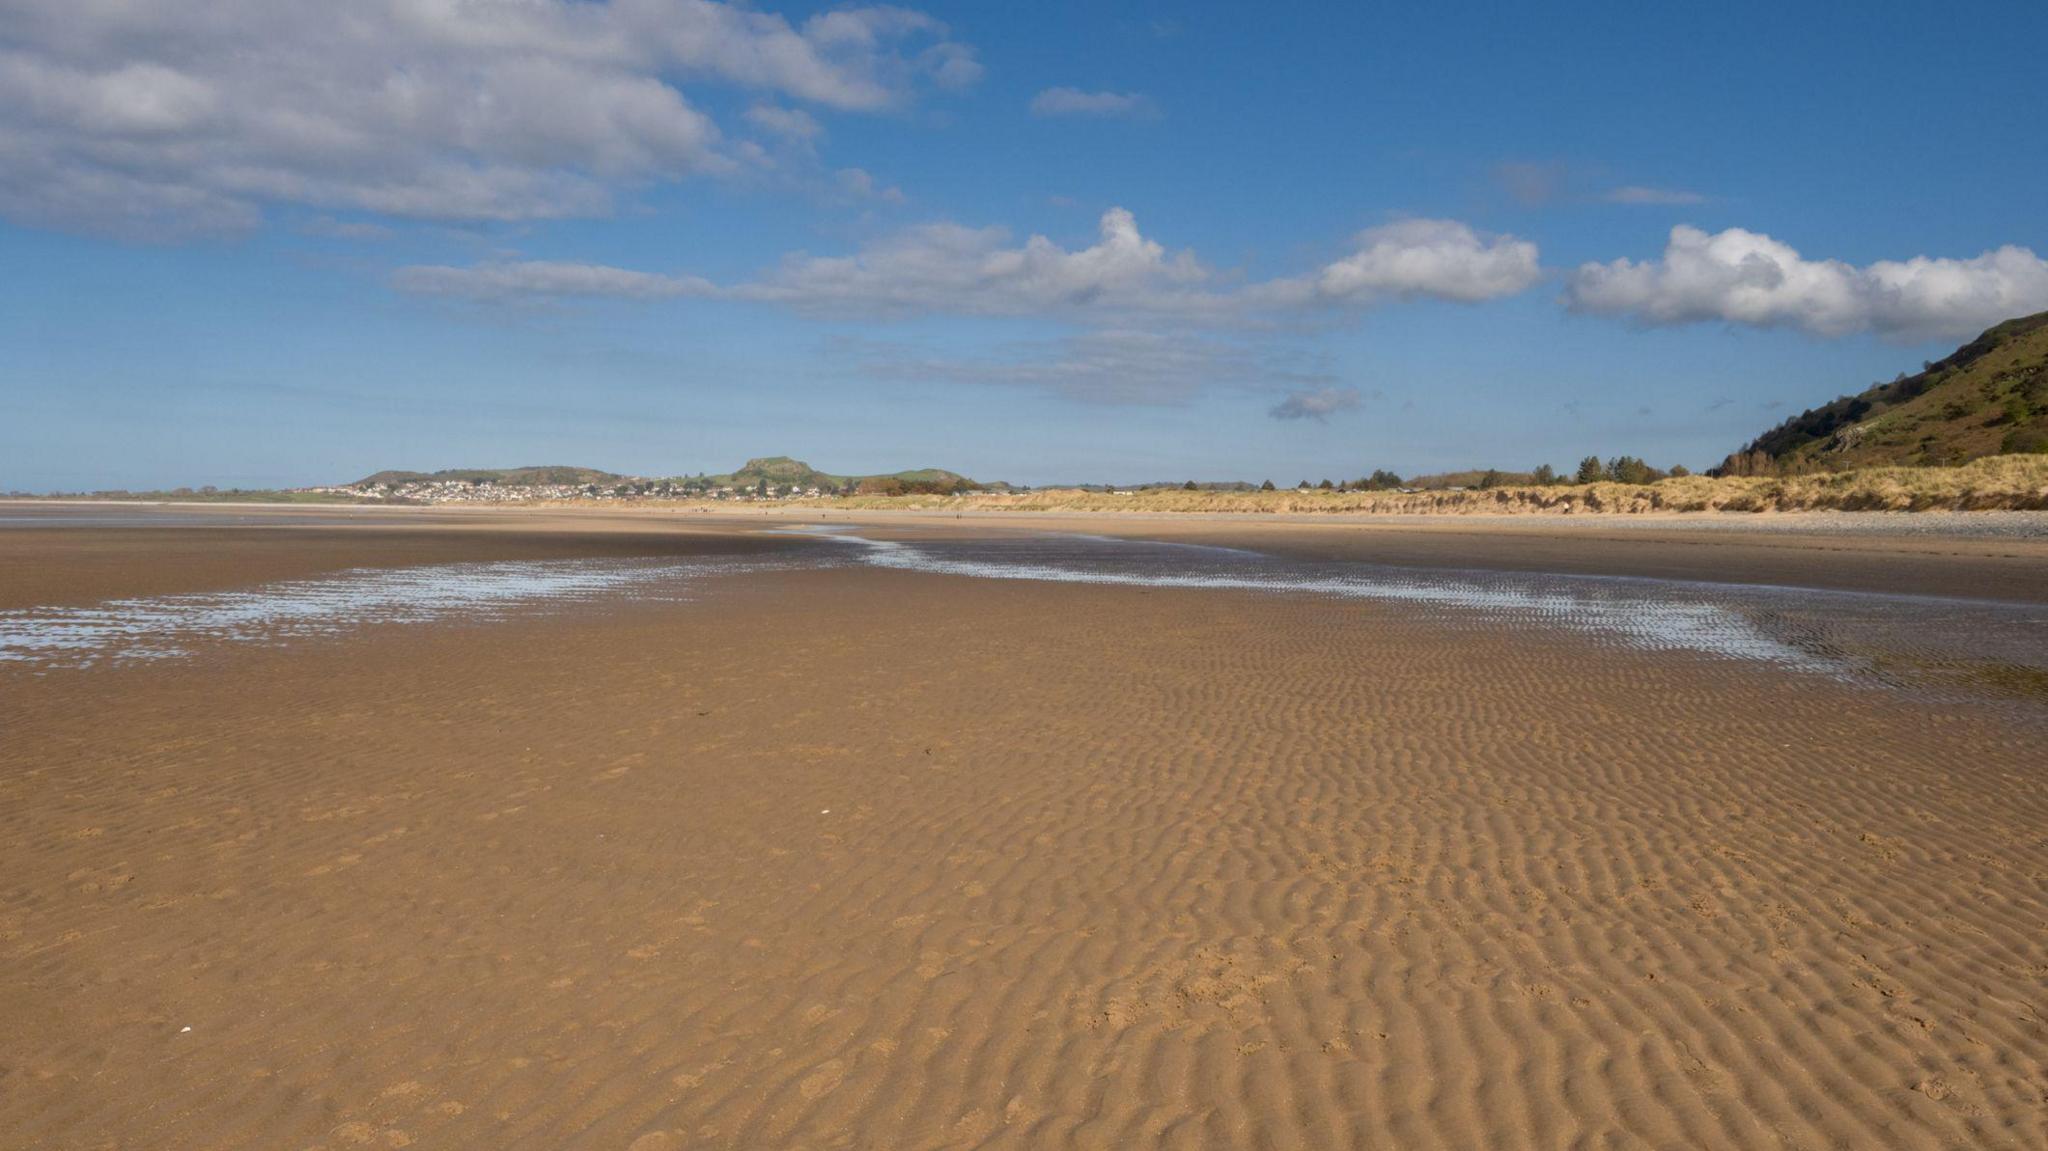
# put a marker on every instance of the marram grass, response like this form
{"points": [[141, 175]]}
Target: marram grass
{"points": [[1992, 483]]}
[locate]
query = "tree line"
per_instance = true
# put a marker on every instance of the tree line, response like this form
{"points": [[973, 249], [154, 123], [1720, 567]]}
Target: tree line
{"points": [[1591, 470]]}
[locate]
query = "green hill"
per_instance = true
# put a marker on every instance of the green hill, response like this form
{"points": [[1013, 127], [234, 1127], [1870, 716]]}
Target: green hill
{"points": [[782, 471], [1989, 398], [511, 477]]}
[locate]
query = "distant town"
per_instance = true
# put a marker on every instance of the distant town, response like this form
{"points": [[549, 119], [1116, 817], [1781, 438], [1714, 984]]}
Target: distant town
{"points": [[486, 491], [763, 479]]}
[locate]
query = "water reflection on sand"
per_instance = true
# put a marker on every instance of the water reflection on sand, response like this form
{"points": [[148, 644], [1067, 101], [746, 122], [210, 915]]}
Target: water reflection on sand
{"points": [[169, 626], [1850, 635], [1842, 635]]}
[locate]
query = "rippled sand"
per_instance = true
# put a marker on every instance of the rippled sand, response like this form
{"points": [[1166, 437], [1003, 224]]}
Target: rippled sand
{"points": [[893, 856]]}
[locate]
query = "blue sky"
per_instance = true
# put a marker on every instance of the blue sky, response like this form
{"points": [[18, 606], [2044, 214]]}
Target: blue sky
{"points": [[270, 242]]}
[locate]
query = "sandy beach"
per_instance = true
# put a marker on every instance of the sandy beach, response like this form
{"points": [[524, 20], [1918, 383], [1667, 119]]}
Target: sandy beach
{"points": [[849, 855]]}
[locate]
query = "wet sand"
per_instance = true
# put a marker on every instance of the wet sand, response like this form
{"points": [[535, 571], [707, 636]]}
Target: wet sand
{"points": [[880, 858]]}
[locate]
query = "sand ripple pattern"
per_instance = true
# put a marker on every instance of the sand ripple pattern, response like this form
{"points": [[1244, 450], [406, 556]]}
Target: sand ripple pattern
{"points": [[167, 627], [875, 859]]}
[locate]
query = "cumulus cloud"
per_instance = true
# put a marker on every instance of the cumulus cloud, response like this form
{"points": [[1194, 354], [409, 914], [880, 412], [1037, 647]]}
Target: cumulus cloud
{"points": [[1640, 194], [1318, 405], [978, 271], [1103, 105], [154, 118], [958, 270], [1440, 258], [1747, 277], [543, 279]]}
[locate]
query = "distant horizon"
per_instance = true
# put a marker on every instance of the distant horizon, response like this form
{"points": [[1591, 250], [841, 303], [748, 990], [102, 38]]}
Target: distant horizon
{"points": [[1044, 242], [1563, 466]]}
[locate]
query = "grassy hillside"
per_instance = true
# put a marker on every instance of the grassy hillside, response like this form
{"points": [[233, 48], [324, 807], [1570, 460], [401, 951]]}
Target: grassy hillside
{"points": [[1989, 398], [542, 474], [782, 471]]}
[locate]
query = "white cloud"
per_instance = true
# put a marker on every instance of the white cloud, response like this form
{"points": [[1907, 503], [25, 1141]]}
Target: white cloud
{"points": [[951, 269], [789, 123], [1440, 258], [333, 229], [1746, 277], [1104, 105], [976, 271], [1640, 194], [1318, 405], [153, 118], [542, 279], [1145, 325], [860, 184], [951, 65]]}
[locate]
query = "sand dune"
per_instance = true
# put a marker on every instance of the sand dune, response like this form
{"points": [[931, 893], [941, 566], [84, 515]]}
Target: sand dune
{"points": [[883, 858]]}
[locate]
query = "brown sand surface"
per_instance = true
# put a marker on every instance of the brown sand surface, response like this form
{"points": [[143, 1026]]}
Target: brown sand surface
{"points": [[866, 858], [76, 566], [1919, 554], [1924, 554]]}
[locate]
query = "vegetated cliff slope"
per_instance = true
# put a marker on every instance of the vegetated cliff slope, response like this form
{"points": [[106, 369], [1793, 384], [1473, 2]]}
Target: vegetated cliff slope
{"points": [[1989, 398]]}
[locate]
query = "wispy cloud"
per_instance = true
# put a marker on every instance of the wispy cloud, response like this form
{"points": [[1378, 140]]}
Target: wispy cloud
{"points": [[788, 123], [1118, 366], [1642, 194], [950, 269], [541, 279], [1535, 184], [1101, 105], [330, 228], [1318, 405], [860, 184], [1532, 184]]}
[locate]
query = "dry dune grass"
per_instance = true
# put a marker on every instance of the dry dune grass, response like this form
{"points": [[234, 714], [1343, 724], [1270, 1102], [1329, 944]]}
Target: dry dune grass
{"points": [[1998, 482]]}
